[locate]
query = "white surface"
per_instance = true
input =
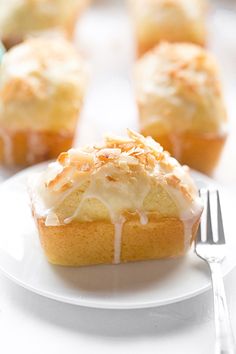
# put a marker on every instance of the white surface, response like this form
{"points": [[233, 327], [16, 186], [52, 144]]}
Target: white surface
{"points": [[32, 324], [125, 286]]}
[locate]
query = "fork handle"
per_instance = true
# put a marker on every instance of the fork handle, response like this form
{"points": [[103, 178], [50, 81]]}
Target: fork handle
{"points": [[224, 336]]}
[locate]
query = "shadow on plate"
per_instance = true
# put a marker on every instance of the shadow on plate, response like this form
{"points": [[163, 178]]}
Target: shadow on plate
{"points": [[124, 278]]}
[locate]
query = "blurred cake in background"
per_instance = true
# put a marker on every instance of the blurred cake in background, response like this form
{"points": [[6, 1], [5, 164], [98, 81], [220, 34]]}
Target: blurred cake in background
{"points": [[42, 85], [125, 200], [20, 19], [180, 103], [169, 20]]}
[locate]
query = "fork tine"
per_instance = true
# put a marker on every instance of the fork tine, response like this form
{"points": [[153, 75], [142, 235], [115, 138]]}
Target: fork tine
{"points": [[209, 232], [221, 234], [199, 231], [202, 225]]}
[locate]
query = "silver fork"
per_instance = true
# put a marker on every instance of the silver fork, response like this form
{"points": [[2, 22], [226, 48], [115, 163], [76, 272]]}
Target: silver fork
{"points": [[210, 246]]}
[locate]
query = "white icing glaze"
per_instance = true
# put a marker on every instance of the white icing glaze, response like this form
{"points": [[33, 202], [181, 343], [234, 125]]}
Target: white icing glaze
{"points": [[143, 217], [43, 206], [123, 195], [121, 184], [52, 220], [35, 147], [118, 226], [187, 214], [188, 230]]}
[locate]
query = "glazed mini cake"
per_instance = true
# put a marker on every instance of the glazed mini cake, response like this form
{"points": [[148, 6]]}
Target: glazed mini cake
{"points": [[180, 103], [124, 201], [169, 20], [42, 84], [20, 19]]}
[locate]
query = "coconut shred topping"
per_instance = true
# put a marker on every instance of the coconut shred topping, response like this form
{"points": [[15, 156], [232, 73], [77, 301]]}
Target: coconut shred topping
{"points": [[120, 175], [178, 85]]}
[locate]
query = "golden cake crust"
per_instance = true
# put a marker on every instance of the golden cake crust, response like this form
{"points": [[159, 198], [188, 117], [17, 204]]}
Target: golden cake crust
{"points": [[25, 148], [88, 243]]}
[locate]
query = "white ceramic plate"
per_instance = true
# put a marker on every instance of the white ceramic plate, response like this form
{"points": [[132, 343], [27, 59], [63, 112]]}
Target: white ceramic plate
{"points": [[126, 286], [110, 106]]}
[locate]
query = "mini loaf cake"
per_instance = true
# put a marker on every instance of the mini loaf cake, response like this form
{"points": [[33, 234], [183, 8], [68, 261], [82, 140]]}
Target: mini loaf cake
{"points": [[42, 84], [20, 19], [169, 20], [180, 103], [126, 200]]}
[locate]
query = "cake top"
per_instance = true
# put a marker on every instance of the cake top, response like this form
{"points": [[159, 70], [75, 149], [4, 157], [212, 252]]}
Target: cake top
{"points": [[181, 65], [129, 155], [44, 15], [130, 174], [28, 68], [182, 75], [37, 74]]}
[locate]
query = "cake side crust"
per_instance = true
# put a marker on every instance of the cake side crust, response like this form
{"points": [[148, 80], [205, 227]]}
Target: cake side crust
{"points": [[88, 243], [24, 148]]}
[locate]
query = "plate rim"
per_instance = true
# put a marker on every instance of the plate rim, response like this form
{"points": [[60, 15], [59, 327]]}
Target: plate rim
{"points": [[103, 304]]}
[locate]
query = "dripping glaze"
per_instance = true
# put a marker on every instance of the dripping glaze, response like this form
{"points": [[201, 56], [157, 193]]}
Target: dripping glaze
{"points": [[119, 185], [116, 198]]}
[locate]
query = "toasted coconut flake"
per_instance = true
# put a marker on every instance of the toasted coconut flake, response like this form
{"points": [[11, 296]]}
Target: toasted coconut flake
{"points": [[63, 158], [60, 179], [173, 180], [131, 160], [108, 154], [134, 152], [185, 190], [111, 141], [151, 160], [65, 186], [125, 152]]}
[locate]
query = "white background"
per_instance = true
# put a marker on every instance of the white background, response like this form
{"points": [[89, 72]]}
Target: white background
{"points": [[31, 324]]}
